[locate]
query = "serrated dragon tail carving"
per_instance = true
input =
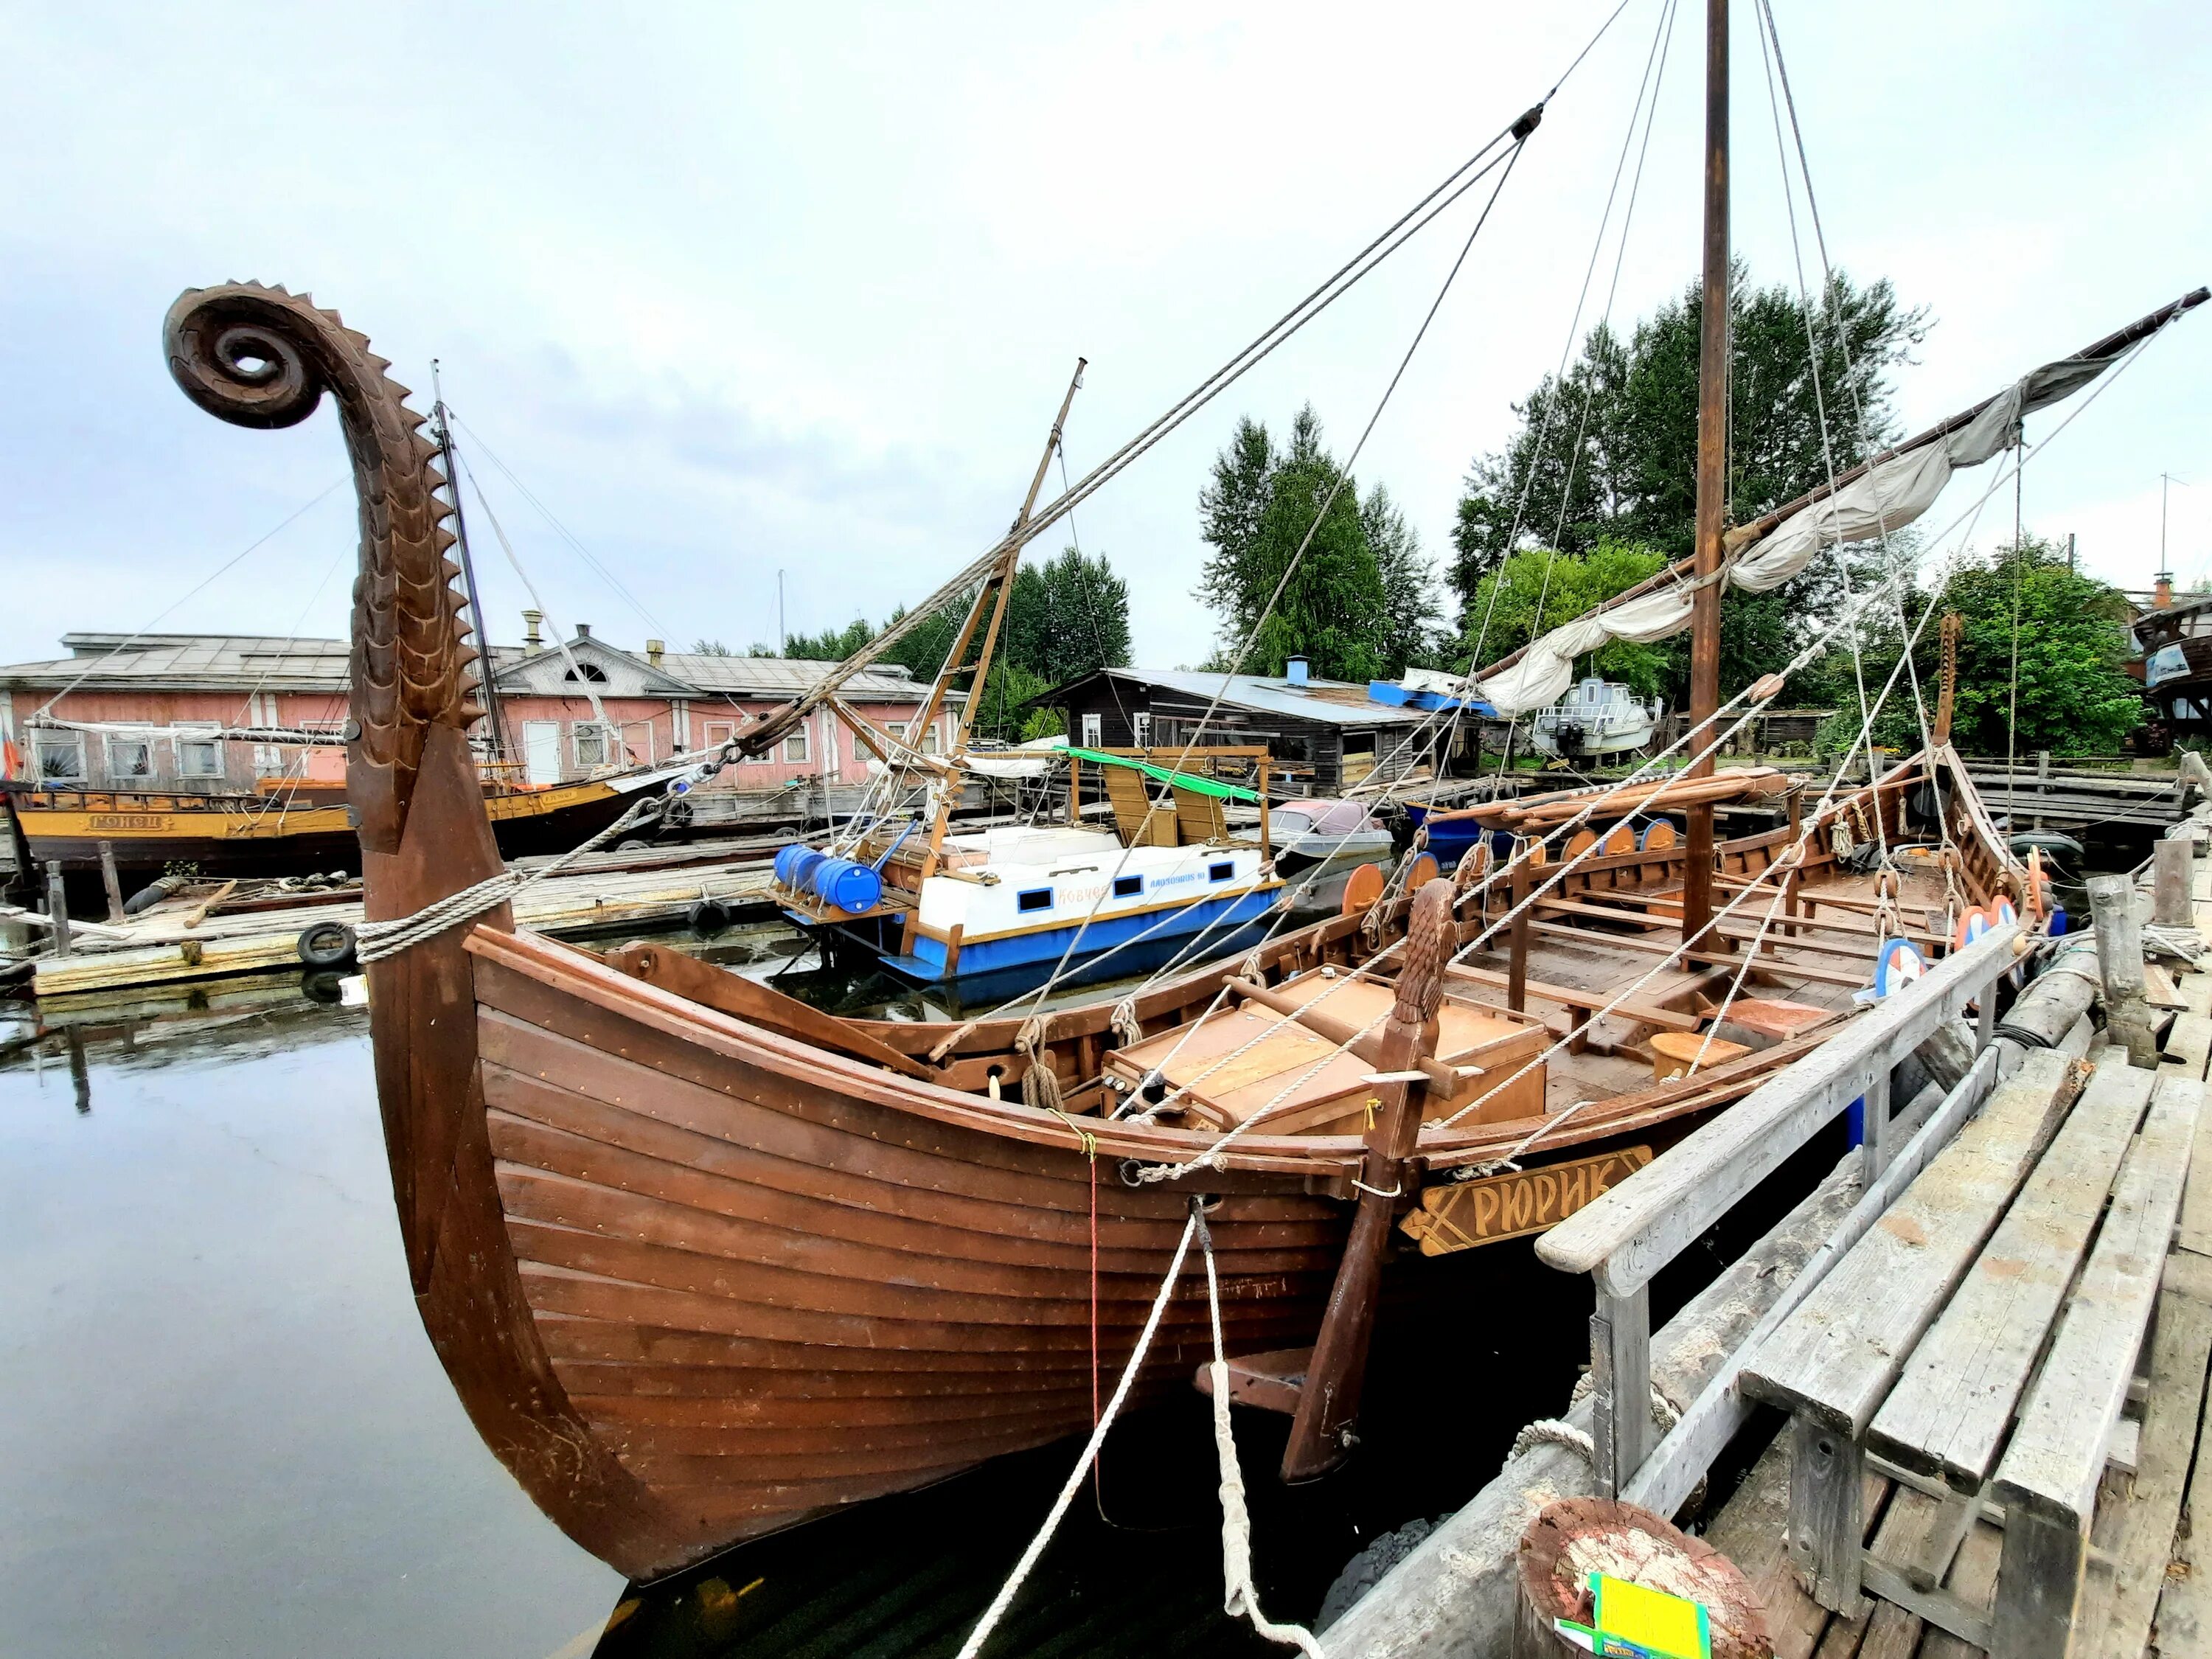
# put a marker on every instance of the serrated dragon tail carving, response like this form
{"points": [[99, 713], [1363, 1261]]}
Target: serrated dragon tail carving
{"points": [[263, 357]]}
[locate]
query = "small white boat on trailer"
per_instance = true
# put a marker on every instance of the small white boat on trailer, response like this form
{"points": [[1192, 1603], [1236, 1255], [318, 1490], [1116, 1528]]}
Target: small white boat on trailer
{"points": [[1597, 717]]}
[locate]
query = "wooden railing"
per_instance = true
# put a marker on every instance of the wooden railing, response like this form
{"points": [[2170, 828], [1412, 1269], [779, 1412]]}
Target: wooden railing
{"points": [[1624, 1238]]}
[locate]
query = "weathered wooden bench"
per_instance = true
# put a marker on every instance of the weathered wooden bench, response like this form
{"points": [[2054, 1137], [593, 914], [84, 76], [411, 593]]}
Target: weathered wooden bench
{"points": [[1980, 1341]]}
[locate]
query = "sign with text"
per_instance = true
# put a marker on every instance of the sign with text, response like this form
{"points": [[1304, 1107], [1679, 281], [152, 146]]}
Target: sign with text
{"points": [[1459, 1215]]}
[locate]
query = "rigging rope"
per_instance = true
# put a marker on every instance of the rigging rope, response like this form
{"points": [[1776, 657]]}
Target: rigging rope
{"points": [[375, 940]]}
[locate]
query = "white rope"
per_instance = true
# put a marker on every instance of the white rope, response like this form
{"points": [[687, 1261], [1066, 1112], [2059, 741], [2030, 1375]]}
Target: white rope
{"points": [[1558, 1431], [997, 1610], [1240, 1596], [375, 940]]}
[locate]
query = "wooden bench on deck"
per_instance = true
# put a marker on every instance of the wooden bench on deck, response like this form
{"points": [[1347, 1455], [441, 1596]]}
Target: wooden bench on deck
{"points": [[1980, 1340]]}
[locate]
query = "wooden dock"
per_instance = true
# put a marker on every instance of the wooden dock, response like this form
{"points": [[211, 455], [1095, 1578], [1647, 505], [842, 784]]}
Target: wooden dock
{"points": [[1991, 1327], [605, 891]]}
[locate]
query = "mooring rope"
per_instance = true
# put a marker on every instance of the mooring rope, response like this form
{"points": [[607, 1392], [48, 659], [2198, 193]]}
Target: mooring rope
{"points": [[1240, 1596], [1004, 1598], [375, 940]]}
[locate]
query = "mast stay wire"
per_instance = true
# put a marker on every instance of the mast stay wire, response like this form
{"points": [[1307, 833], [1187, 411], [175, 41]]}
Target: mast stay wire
{"points": [[1767, 54], [1663, 32], [1771, 36], [1414, 219], [1558, 872], [575, 670], [207, 582], [1290, 569]]}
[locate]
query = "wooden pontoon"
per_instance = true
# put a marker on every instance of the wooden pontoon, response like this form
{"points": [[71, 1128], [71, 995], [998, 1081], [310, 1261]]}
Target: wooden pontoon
{"points": [[702, 1263]]}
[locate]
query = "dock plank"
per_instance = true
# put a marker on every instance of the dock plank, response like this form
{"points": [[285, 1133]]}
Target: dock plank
{"points": [[2121, 1603], [1836, 1357], [1948, 1411], [2057, 1454]]}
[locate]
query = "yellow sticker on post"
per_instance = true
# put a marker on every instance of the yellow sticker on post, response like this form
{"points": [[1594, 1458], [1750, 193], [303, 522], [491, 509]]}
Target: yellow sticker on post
{"points": [[1634, 1621]]}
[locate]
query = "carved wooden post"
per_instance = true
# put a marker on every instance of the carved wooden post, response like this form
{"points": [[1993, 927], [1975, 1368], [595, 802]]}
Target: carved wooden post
{"points": [[1322, 1436], [1620, 1385], [2120, 965]]}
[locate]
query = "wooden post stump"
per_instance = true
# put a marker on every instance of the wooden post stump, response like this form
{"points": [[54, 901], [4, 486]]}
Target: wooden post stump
{"points": [[1576, 1536]]}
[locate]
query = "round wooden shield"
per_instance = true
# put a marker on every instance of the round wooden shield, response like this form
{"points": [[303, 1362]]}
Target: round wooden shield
{"points": [[1658, 835], [2005, 912], [1362, 888], [1972, 926], [1622, 838], [1421, 871], [1579, 843], [1897, 967]]}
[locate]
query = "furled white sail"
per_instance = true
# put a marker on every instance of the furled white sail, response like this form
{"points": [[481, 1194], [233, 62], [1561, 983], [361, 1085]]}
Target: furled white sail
{"points": [[1885, 498]]}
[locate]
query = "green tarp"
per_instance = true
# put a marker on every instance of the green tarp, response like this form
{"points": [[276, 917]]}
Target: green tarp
{"points": [[1161, 774]]}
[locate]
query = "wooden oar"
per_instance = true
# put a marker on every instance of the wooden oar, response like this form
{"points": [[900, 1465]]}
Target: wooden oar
{"points": [[733, 994], [1329, 1402]]}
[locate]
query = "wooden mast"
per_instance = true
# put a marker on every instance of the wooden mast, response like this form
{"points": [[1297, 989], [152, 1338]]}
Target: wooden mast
{"points": [[996, 594], [1712, 471]]}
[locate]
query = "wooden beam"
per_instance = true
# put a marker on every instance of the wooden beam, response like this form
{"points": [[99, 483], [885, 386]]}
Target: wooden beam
{"points": [[1651, 1013]]}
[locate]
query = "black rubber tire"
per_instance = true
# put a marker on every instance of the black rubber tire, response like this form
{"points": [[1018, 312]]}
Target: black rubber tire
{"points": [[709, 916], [633, 845], [325, 945]]}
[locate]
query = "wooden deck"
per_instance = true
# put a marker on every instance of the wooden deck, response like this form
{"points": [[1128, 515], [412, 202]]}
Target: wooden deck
{"points": [[2148, 1585]]}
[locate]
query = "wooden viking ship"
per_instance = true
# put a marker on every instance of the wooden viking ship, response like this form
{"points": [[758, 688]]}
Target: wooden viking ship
{"points": [[703, 1263]]}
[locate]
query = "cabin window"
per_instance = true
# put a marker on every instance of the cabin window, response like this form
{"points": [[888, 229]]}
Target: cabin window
{"points": [[61, 759], [1128, 886], [591, 743], [1037, 898], [587, 671], [795, 746], [897, 729], [1094, 730], [1140, 728], [198, 757], [1220, 871], [719, 732], [130, 757], [929, 739]]}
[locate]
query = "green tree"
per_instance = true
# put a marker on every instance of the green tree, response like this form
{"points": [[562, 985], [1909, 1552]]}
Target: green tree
{"points": [[1260, 509], [1566, 584], [2076, 696], [1087, 611], [831, 645], [715, 648], [1618, 452], [1407, 634]]}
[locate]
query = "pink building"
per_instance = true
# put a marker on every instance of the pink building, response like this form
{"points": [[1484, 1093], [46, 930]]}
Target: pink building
{"points": [[650, 707]]}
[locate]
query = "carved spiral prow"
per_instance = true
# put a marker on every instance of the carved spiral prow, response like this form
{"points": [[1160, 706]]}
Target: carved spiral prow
{"points": [[262, 357]]}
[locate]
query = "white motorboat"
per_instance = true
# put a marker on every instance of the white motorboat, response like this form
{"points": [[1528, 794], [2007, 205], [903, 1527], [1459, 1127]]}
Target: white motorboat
{"points": [[1597, 717], [1304, 833]]}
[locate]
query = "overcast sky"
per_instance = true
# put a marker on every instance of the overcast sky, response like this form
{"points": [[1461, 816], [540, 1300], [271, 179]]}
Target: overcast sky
{"points": [[741, 290]]}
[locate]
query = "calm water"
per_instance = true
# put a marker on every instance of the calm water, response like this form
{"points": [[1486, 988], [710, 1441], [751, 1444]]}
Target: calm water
{"points": [[223, 1432]]}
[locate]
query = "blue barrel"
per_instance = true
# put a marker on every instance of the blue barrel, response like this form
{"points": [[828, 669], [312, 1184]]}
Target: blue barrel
{"points": [[795, 866], [852, 888]]}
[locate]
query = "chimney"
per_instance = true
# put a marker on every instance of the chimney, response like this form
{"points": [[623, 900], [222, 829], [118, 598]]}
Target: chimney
{"points": [[532, 643], [2162, 596], [654, 650], [1295, 670], [583, 630]]}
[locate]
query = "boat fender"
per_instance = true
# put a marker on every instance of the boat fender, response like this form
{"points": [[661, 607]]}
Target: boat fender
{"points": [[709, 916], [325, 945]]}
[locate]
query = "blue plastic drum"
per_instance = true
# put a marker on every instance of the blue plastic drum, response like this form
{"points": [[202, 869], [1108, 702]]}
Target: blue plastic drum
{"points": [[852, 888]]}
